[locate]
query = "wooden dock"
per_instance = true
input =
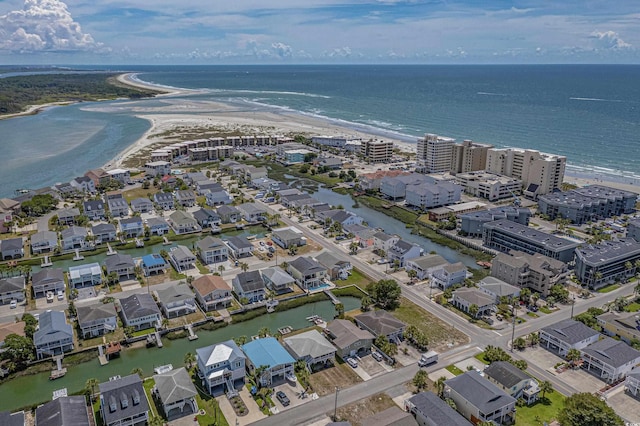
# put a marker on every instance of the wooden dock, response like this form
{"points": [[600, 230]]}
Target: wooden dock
{"points": [[192, 335], [59, 371], [110, 250], [332, 296], [46, 262], [78, 256], [158, 339]]}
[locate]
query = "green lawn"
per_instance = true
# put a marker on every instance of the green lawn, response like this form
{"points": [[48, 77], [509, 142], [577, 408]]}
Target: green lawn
{"points": [[480, 357], [356, 278], [633, 307], [213, 414], [148, 385], [540, 412], [609, 288], [143, 332], [454, 370], [545, 310], [533, 315]]}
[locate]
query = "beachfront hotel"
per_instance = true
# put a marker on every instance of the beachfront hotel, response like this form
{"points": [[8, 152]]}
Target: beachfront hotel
{"points": [[438, 154], [375, 151]]}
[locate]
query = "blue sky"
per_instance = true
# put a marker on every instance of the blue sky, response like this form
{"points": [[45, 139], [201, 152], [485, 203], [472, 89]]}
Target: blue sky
{"points": [[318, 31]]}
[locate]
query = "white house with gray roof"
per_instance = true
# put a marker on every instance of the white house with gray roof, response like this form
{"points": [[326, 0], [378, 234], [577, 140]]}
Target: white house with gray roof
{"points": [[479, 400], [337, 268], [497, 288], [449, 275], [75, 237], [97, 319], [176, 393], [183, 222], [249, 285], [68, 216], [308, 273], [104, 232], [430, 410], [632, 383], [182, 259], [47, 280], [277, 280], [11, 288], [212, 250], [44, 242], [567, 334], [311, 347], [186, 198], [131, 227], [610, 359], [464, 297], [177, 301], [381, 323], [425, 265], [141, 205], [85, 275], [221, 367], [11, 248], [239, 247], [122, 265], [287, 237], [118, 207], [252, 212], [164, 200], [384, 242], [123, 401], [54, 336], [140, 311], [94, 209], [513, 381], [403, 251], [228, 214], [157, 226]]}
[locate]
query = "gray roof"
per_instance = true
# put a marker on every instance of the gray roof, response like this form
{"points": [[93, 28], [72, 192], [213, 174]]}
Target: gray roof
{"points": [[64, 411], [286, 234], [608, 251], [401, 247], [306, 265], [480, 392], [119, 260], [239, 242], [225, 210], [181, 218], [181, 253], [43, 237], [209, 242], [118, 203], [114, 392], [474, 296], [250, 281], [52, 328], [347, 333], [175, 294], [429, 261], [94, 312], [139, 202], [277, 276], [156, 221], [438, 411], [612, 352], [185, 194], [220, 352], [497, 286], [11, 284], [329, 260], [103, 228], [310, 343], [570, 331], [251, 208], [131, 220], [73, 231], [174, 386], [12, 419], [92, 205], [505, 373], [205, 214], [139, 305], [47, 275], [163, 196], [70, 212], [525, 233], [380, 322]]}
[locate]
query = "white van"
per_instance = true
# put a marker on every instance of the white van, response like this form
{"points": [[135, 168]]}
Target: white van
{"points": [[430, 357]]}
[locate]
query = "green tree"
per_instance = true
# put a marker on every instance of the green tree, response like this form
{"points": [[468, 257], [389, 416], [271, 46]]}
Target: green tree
{"points": [[243, 266], [473, 310], [439, 385], [365, 303], [18, 349], [546, 387], [420, 380], [385, 293], [189, 359], [138, 371], [586, 409], [520, 343], [412, 274], [264, 332], [240, 340], [353, 247], [339, 310], [573, 356], [559, 292], [90, 387]]}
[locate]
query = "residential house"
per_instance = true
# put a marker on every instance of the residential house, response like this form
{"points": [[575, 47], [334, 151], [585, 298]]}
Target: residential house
{"points": [[68, 216], [75, 237], [381, 323], [384, 242], [83, 184], [287, 237], [311, 347], [426, 265], [176, 393], [164, 200], [535, 271], [430, 410], [153, 264], [348, 338], [222, 367], [497, 289], [11, 248], [239, 247], [212, 250], [344, 218], [479, 400], [465, 297], [98, 176], [157, 226], [363, 235], [140, 311], [123, 402], [277, 280], [141, 205], [252, 212], [206, 186], [97, 320], [249, 285], [449, 275], [118, 207], [620, 325], [131, 227], [121, 175], [44, 242], [85, 275], [337, 268], [217, 197], [158, 168], [183, 222], [513, 381], [610, 359], [63, 411], [228, 214], [103, 232], [308, 273], [94, 209], [567, 334], [268, 352], [54, 336], [186, 198], [212, 292], [403, 251], [47, 280], [11, 288], [65, 190], [632, 383], [182, 259], [122, 265], [176, 301], [207, 218]]}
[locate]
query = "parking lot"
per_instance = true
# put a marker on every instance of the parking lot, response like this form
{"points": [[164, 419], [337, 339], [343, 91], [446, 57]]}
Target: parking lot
{"points": [[368, 367]]}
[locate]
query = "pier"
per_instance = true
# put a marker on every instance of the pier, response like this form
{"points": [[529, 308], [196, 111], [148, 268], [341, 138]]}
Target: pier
{"points": [[165, 241], [158, 339], [317, 320], [110, 251], [59, 371], [46, 262], [332, 296], [192, 335], [78, 256], [139, 242]]}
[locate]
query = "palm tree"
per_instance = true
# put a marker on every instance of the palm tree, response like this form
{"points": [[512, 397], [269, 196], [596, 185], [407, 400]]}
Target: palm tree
{"points": [[420, 380], [244, 266], [439, 384], [365, 303], [138, 371], [525, 295], [264, 332], [353, 247], [90, 386], [534, 339], [573, 355], [473, 310], [189, 359], [412, 274], [220, 269], [546, 387], [293, 250]]}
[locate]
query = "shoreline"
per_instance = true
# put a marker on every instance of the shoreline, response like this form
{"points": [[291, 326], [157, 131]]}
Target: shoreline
{"points": [[36, 109]]}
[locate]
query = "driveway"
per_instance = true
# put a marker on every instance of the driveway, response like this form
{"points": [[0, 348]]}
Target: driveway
{"points": [[293, 392], [371, 366]]}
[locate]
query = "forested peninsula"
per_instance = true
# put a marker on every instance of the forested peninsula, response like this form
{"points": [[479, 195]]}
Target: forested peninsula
{"points": [[20, 92]]}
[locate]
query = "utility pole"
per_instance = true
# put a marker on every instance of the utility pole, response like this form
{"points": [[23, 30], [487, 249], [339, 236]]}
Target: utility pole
{"points": [[573, 302], [513, 329], [335, 406]]}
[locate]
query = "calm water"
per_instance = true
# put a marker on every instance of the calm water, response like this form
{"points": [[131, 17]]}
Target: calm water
{"points": [[31, 389], [590, 113]]}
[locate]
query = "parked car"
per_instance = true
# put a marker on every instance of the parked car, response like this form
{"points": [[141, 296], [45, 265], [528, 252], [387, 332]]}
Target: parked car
{"points": [[488, 320], [262, 243], [49, 297], [376, 355], [13, 304], [60, 295], [352, 362], [284, 399], [272, 249]]}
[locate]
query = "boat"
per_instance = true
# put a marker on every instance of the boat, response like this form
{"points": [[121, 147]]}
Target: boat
{"points": [[292, 378], [251, 237], [163, 369], [285, 330], [56, 374], [239, 226]]}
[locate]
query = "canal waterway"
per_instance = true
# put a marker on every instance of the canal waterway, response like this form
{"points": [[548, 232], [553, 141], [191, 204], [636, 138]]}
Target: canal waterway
{"points": [[27, 390]]}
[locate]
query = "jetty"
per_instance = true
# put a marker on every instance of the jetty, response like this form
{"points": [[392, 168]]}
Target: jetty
{"points": [[78, 256], [285, 330], [59, 371], [158, 339], [332, 296], [110, 250], [271, 305], [192, 335], [165, 241], [106, 351], [317, 320], [46, 262], [139, 242], [215, 229]]}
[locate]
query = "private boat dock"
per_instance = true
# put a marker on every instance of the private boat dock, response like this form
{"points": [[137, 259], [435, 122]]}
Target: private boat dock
{"points": [[317, 320], [332, 296], [59, 371], [192, 335], [108, 351]]}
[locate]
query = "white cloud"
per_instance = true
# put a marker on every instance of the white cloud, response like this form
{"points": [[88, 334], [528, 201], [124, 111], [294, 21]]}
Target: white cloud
{"points": [[340, 52], [610, 40], [44, 25], [282, 50]]}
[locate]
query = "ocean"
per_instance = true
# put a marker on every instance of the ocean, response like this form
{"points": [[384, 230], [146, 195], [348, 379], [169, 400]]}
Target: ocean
{"points": [[590, 113]]}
